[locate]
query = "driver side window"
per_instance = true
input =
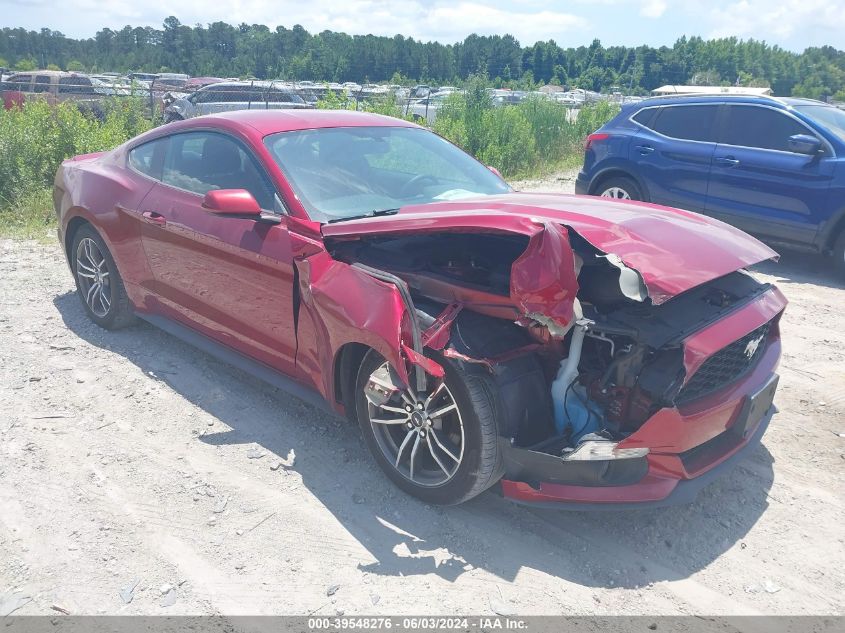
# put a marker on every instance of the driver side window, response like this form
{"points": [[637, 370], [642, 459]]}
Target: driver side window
{"points": [[202, 161]]}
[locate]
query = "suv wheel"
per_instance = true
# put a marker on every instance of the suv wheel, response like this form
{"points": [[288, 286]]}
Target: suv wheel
{"points": [[440, 446], [620, 188]]}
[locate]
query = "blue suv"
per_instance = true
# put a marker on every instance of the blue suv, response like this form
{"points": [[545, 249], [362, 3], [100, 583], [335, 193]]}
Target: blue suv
{"points": [[774, 167]]}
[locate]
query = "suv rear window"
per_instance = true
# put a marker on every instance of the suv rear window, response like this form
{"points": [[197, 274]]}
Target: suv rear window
{"points": [[687, 122], [645, 116], [19, 82]]}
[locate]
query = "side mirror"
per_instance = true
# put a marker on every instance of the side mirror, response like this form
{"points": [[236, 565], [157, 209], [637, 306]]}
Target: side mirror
{"points": [[495, 171], [231, 202], [804, 144]]}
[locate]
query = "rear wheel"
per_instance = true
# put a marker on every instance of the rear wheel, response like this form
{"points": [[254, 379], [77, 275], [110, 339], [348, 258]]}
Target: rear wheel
{"points": [[440, 446], [620, 188], [98, 283]]}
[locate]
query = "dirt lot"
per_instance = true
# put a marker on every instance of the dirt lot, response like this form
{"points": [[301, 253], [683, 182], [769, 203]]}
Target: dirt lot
{"points": [[129, 459]]}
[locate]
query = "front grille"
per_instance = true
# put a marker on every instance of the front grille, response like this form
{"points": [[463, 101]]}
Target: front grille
{"points": [[726, 366]]}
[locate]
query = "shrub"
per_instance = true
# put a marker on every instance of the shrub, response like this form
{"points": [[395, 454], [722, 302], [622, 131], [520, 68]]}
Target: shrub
{"points": [[535, 135], [385, 104], [508, 142], [37, 137]]}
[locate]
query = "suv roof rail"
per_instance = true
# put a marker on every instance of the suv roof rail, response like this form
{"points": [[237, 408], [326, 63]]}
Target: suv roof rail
{"points": [[721, 95]]}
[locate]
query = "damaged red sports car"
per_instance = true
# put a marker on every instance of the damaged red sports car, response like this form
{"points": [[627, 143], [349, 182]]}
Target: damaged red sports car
{"points": [[582, 352]]}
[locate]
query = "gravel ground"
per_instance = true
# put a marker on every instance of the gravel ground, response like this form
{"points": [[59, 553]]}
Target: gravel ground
{"points": [[140, 476]]}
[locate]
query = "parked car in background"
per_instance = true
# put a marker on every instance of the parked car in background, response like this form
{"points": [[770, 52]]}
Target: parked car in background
{"points": [[170, 81], [55, 86], [425, 110], [581, 352], [774, 167], [148, 77], [195, 83], [227, 96]]}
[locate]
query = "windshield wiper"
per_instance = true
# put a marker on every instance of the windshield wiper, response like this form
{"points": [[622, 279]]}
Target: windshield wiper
{"points": [[369, 214]]}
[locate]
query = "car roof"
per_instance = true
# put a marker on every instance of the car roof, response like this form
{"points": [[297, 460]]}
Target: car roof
{"points": [[257, 83], [272, 121], [51, 73]]}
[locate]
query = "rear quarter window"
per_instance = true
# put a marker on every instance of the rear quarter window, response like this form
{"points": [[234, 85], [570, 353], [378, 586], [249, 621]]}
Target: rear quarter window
{"points": [[645, 116], [687, 122], [149, 158]]}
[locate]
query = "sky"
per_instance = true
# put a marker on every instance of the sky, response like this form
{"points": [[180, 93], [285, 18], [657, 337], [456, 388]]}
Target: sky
{"points": [[792, 24]]}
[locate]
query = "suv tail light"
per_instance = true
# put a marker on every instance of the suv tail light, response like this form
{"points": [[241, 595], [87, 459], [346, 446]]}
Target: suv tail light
{"points": [[592, 138]]}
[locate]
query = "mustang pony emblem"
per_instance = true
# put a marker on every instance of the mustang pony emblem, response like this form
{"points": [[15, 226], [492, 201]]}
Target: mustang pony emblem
{"points": [[752, 346]]}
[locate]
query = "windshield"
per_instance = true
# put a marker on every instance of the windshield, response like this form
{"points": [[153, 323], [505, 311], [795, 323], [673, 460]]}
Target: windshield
{"points": [[341, 173], [831, 118]]}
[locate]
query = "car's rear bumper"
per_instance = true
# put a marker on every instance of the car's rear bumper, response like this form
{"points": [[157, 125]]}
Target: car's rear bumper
{"points": [[582, 184]]}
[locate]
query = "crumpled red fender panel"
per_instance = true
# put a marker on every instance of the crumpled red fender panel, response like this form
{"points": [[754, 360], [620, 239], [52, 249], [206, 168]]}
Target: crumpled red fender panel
{"points": [[543, 279], [346, 305]]}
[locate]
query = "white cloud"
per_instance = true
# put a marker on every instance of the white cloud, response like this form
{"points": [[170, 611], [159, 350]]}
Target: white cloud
{"points": [[653, 8], [794, 22]]}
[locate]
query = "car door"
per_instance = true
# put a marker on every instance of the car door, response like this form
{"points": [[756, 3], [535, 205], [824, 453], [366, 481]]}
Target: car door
{"points": [[229, 277], [43, 87], [673, 150], [75, 87], [759, 185]]}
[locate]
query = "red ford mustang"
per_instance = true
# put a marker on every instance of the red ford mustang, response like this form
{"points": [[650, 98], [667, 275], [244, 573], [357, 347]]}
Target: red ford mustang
{"points": [[581, 351]]}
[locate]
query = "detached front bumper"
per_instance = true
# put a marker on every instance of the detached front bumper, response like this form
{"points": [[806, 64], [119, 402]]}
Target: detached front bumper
{"points": [[652, 491], [688, 446]]}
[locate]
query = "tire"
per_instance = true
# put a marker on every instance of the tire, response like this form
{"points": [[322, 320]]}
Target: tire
{"points": [[623, 187], [480, 462], [171, 117], [92, 263], [839, 254]]}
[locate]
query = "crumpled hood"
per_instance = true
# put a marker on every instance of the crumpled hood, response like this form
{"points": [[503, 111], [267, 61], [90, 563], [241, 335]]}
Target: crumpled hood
{"points": [[673, 250]]}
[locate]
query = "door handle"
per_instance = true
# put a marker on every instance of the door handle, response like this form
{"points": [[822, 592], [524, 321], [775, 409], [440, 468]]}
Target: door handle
{"points": [[154, 218], [645, 149], [727, 161]]}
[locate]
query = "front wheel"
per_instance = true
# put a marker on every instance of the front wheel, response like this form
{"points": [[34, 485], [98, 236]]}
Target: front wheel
{"points": [[620, 188], [441, 445]]}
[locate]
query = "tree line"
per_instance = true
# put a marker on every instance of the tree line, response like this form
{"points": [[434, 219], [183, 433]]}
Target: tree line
{"points": [[254, 50]]}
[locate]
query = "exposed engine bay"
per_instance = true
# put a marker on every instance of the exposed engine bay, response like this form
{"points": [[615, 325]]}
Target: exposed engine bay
{"points": [[561, 389]]}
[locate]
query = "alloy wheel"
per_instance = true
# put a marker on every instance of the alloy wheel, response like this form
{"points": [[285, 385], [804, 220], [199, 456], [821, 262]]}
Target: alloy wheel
{"points": [[93, 275], [421, 435], [616, 192]]}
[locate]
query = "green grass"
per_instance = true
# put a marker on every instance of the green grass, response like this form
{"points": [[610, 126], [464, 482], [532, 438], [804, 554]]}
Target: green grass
{"points": [[31, 216]]}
